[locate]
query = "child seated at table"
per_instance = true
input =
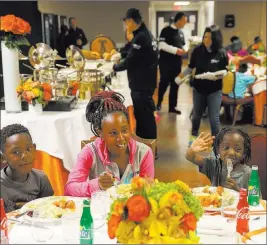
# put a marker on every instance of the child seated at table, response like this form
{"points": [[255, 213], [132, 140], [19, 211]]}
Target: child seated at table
{"points": [[113, 155], [20, 183], [230, 143], [243, 82]]}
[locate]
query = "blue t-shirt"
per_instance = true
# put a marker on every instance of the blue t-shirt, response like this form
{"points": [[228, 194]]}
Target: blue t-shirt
{"points": [[242, 82]]}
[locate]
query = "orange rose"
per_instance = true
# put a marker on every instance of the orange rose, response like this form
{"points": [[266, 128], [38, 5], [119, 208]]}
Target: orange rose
{"points": [[47, 96], [21, 27], [75, 87], [189, 222], [7, 23], [47, 87], [138, 208], [113, 225], [137, 183], [28, 96]]}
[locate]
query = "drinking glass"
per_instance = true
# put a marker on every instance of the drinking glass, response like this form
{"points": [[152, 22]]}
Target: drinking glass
{"points": [[42, 228], [71, 227], [99, 208]]}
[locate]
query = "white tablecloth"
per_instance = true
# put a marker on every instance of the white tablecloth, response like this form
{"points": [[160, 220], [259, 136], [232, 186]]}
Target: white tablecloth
{"points": [[57, 133], [21, 234]]}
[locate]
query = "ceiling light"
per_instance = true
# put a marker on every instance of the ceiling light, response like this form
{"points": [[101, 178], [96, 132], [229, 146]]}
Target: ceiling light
{"points": [[181, 3]]}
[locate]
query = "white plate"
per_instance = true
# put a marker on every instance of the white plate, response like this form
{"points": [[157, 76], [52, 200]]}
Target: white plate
{"points": [[44, 202], [220, 73], [235, 194]]}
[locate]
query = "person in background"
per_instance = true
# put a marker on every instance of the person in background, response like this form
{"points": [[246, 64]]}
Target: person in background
{"points": [[141, 65], [113, 155], [207, 57], [243, 82], [235, 48], [256, 46], [232, 144], [76, 35], [63, 41], [171, 44], [20, 183]]}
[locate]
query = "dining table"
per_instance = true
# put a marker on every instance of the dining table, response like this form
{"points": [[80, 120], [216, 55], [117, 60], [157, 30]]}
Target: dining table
{"points": [[212, 228]]}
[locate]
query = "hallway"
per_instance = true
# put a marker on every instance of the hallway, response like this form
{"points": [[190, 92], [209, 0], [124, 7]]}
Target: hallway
{"points": [[174, 133]]}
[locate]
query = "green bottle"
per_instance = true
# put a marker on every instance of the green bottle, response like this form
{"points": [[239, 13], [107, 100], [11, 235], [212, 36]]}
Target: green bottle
{"points": [[254, 187], [86, 225]]}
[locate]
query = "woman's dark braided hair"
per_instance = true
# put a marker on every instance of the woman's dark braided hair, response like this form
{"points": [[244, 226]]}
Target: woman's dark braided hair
{"points": [[102, 104], [218, 140]]}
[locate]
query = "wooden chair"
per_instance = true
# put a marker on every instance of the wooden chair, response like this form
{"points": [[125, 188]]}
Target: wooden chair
{"points": [[192, 178], [149, 142], [237, 103], [258, 152]]}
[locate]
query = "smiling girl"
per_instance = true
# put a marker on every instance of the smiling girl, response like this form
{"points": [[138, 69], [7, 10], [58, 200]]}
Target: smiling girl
{"points": [[114, 155], [231, 143]]}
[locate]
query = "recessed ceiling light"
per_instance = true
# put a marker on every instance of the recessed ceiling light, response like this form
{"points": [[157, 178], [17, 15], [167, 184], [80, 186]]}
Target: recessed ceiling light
{"points": [[181, 3]]}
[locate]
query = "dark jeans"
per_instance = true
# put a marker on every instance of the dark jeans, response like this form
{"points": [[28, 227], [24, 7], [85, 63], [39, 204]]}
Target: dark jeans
{"points": [[144, 108], [200, 102], [167, 78]]}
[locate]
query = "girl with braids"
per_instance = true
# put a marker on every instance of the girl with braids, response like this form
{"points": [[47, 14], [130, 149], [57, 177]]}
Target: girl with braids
{"points": [[230, 143], [114, 155]]}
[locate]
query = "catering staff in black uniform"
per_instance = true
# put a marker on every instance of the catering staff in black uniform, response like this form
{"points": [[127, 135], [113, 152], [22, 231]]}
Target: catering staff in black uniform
{"points": [[171, 44], [141, 64], [76, 35], [207, 57]]}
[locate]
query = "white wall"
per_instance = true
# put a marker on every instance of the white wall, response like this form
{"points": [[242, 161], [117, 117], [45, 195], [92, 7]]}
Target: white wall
{"points": [[250, 19], [95, 18]]}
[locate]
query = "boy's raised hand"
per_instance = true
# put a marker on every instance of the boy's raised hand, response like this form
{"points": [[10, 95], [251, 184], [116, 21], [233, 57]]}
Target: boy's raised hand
{"points": [[202, 142]]}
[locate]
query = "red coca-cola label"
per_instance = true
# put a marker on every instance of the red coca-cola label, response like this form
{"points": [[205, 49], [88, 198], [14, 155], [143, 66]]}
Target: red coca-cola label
{"points": [[243, 213]]}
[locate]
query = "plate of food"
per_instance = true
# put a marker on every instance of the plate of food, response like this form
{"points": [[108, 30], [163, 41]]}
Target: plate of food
{"points": [[216, 198], [122, 190], [53, 207]]}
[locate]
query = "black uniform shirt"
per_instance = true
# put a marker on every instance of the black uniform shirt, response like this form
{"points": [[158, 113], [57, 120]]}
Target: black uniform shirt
{"points": [[76, 34], [173, 37], [205, 61]]}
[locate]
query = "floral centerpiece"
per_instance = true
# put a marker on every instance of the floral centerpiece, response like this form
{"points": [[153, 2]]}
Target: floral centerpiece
{"points": [[14, 29], [34, 92], [156, 213], [12, 35]]}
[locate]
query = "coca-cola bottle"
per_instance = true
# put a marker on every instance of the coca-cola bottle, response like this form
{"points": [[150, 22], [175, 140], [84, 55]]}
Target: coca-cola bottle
{"points": [[242, 216], [4, 230]]}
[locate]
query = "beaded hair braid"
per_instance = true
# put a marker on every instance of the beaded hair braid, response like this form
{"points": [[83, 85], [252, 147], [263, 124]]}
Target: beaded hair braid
{"points": [[102, 104]]}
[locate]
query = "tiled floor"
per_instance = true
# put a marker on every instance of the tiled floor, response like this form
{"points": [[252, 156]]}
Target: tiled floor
{"points": [[174, 132]]}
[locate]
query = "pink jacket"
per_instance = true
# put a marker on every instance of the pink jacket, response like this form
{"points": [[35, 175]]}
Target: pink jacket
{"points": [[91, 162]]}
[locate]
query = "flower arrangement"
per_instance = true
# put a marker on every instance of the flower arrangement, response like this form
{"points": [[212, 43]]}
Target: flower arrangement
{"points": [[34, 92], [156, 213], [14, 29]]}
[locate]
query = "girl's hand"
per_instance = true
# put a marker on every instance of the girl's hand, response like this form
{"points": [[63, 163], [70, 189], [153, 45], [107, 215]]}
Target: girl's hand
{"points": [[202, 143], [105, 181], [231, 184]]}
